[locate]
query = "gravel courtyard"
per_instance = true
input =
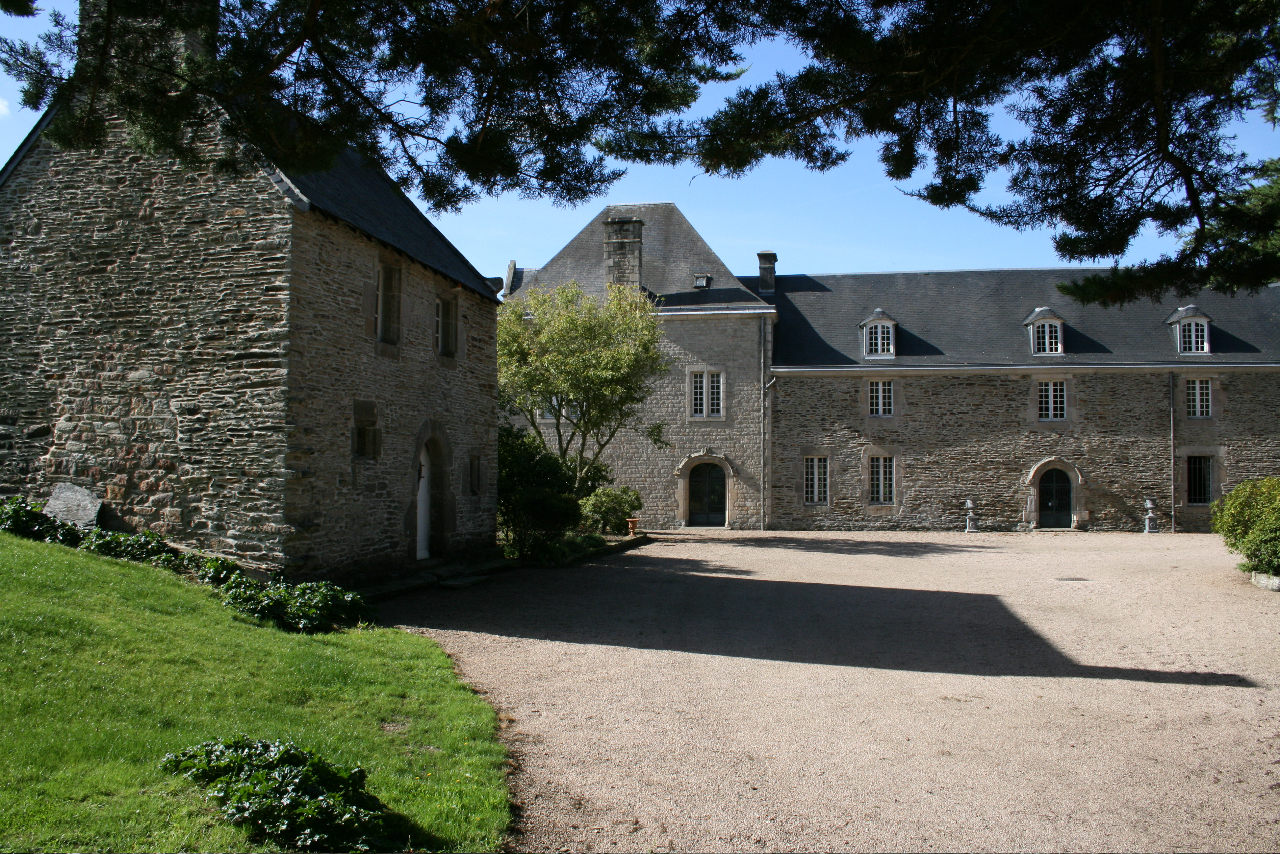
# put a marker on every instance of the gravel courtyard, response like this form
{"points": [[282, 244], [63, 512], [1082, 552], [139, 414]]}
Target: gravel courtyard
{"points": [[774, 691]]}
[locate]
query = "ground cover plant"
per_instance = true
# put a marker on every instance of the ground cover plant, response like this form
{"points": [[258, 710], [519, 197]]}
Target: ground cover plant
{"points": [[308, 607], [107, 666]]}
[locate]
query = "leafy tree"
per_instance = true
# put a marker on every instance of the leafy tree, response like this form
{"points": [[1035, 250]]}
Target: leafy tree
{"points": [[588, 365], [536, 506], [1121, 110], [1123, 113], [456, 98]]}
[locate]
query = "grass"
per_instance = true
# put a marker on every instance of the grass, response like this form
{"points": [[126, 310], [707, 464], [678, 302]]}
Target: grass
{"points": [[106, 666]]}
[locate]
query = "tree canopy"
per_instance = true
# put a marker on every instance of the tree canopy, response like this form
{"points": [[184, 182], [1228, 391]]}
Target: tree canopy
{"points": [[1101, 118], [582, 366]]}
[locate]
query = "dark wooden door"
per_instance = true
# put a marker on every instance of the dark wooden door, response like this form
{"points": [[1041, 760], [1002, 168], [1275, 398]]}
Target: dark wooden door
{"points": [[706, 495], [1055, 499]]}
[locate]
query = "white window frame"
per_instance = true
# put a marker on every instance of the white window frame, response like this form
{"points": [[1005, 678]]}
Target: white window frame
{"points": [[1051, 400], [706, 399], [1046, 338], [880, 398], [879, 340], [1199, 398], [880, 480], [817, 480], [1193, 335]]}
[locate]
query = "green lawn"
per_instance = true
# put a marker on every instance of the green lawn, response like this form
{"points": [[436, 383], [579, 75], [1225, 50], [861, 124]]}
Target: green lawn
{"points": [[106, 666]]}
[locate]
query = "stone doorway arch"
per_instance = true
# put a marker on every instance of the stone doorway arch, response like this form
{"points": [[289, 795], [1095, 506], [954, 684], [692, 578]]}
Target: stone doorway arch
{"points": [[1046, 497], [434, 504], [684, 474]]}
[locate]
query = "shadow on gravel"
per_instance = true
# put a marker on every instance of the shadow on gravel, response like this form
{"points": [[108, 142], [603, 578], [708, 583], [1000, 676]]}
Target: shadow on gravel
{"points": [[644, 601], [831, 545]]}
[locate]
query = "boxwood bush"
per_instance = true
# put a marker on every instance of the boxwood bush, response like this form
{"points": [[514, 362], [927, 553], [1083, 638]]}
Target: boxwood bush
{"points": [[285, 795], [607, 509], [1248, 518]]}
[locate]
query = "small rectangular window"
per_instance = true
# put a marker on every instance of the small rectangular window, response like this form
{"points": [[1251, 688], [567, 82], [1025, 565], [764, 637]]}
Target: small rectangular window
{"points": [[713, 395], [1052, 400], [880, 397], [366, 438], [881, 480], [474, 472], [1199, 479], [699, 406], [1198, 399], [388, 305], [1048, 338], [880, 339], [1194, 337], [447, 327], [815, 480]]}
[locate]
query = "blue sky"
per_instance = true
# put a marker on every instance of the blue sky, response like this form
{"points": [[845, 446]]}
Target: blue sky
{"points": [[852, 219]]}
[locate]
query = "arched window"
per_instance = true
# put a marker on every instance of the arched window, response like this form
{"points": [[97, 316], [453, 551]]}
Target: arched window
{"points": [[878, 335], [1045, 326], [1190, 328]]}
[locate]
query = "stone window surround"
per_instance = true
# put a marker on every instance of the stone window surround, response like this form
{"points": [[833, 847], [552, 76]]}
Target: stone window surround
{"points": [[1216, 399], [894, 508], [1033, 403], [1031, 482], [705, 368], [681, 474], [1217, 474], [865, 391], [444, 293]]}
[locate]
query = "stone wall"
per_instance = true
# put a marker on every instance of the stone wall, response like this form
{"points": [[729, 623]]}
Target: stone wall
{"points": [[713, 342], [359, 512], [144, 311], [977, 436]]}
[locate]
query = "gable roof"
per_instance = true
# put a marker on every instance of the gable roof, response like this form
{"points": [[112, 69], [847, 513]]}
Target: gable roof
{"points": [[975, 317], [672, 253], [363, 195], [358, 193]]}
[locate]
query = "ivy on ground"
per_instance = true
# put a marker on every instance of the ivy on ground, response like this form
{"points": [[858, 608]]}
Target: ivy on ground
{"points": [[309, 607], [286, 795]]}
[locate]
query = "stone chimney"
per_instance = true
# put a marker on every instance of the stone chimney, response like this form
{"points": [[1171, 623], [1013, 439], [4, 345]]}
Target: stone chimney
{"points": [[767, 262], [622, 241]]}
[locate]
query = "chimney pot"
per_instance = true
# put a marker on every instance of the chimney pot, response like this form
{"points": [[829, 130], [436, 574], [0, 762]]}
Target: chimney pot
{"points": [[768, 260]]}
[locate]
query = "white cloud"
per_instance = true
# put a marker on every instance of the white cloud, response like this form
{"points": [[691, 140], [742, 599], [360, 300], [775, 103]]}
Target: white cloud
{"points": [[4, 108]]}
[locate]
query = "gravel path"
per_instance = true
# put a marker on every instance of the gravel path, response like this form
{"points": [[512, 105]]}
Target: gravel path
{"points": [[853, 691]]}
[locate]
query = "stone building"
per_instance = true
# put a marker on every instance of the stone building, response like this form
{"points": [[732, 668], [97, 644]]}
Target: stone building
{"points": [[298, 371], [889, 400]]}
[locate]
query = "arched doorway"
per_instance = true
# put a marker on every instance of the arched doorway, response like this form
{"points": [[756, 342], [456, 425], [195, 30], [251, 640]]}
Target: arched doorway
{"points": [[707, 496], [424, 504], [1055, 499], [432, 500]]}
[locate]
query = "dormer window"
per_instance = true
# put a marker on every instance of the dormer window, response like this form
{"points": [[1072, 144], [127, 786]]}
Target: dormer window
{"points": [[702, 280], [1045, 326], [878, 335], [1191, 329]]}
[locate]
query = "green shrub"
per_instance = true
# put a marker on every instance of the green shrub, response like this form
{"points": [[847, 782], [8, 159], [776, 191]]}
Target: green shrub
{"points": [[286, 795], [315, 606], [23, 519], [608, 508], [1252, 504], [139, 548], [206, 569], [1261, 549], [536, 505]]}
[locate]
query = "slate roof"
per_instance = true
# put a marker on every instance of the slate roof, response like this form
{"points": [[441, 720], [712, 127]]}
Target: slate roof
{"points": [[672, 253], [360, 194], [975, 317], [363, 195]]}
